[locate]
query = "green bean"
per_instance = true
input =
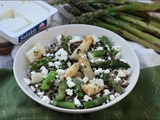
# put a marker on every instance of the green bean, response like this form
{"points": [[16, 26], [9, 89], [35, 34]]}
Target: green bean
{"points": [[96, 102], [46, 84]]}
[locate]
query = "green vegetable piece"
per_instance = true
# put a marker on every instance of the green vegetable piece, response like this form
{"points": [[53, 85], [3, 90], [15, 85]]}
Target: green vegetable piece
{"points": [[78, 88], [61, 90], [115, 64], [48, 80], [64, 104], [116, 86], [99, 53], [95, 102], [40, 62], [105, 41]]}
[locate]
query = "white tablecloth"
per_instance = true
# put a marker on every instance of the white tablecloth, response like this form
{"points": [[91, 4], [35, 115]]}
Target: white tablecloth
{"points": [[147, 57]]}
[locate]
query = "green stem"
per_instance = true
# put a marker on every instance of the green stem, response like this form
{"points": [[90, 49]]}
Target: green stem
{"points": [[142, 35], [126, 34]]}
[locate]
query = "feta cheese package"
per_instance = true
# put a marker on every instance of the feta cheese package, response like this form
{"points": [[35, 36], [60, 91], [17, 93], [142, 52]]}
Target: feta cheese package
{"points": [[21, 20]]}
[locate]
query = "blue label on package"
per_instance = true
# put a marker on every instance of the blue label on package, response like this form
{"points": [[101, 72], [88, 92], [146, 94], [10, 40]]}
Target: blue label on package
{"points": [[32, 31]]}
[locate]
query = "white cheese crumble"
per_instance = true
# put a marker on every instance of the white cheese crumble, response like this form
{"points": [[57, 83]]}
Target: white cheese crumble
{"points": [[70, 83], [40, 94], [85, 79], [61, 54], [50, 64], [33, 88], [117, 56], [117, 79], [46, 99], [111, 97], [95, 39], [98, 82], [75, 39], [116, 94], [106, 92], [107, 71], [60, 72], [27, 81], [44, 70], [99, 48], [117, 47], [121, 73], [77, 102], [87, 98], [98, 71], [57, 64], [69, 92]]}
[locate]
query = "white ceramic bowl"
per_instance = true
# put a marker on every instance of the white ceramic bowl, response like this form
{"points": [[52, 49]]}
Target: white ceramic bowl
{"points": [[48, 36]]}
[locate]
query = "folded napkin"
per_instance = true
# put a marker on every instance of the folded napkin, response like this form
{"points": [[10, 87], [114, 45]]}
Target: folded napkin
{"points": [[141, 103]]}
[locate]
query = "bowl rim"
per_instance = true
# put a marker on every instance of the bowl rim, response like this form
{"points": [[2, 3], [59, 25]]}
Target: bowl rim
{"points": [[78, 111]]}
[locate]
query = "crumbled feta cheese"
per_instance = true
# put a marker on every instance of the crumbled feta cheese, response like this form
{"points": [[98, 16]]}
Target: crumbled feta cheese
{"points": [[69, 92], [27, 81], [107, 71], [44, 70], [77, 102], [40, 94], [98, 82], [95, 39], [106, 92], [123, 60], [57, 64], [60, 72], [116, 94], [61, 54], [92, 61], [99, 48], [117, 79], [117, 47], [99, 60], [117, 56], [50, 64], [121, 73], [36, 85], [98, 71], [85, 79], [111, 97], [109, 58], [33, 88], [59, 39], [127, 72], [87, 98], [70, 83], [68, 64], [75, 39], [46, 99]]}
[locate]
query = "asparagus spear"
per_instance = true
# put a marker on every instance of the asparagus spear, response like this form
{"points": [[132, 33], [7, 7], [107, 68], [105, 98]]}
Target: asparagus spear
{"points": [[64, 104], [142, 35], [46, 84], [110, 64], [78, 88], [126, 34], [85, 17], [148, 27], [40, 62], [61, 90], [95, 102]]}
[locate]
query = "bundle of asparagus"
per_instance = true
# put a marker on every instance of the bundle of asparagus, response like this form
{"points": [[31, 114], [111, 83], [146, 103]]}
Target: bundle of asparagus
{"points": [[130, 20]]}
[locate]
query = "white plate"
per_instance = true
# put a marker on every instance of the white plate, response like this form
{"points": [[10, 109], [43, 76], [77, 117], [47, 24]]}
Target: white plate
{"points": [[48, 36]]}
